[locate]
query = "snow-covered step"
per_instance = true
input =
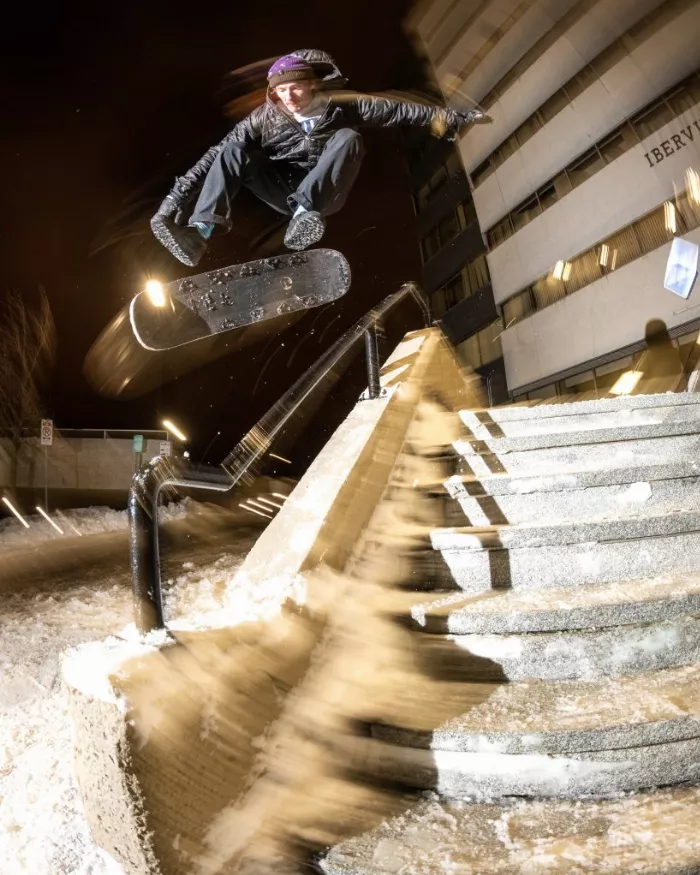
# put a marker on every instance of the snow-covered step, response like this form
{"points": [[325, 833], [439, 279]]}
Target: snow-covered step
{"points": [[511, 537], [486, 424], [562, 565], [553, 408], [537, 717], [612, 651], [469, 501], [488, 775], [656, 833], [481, 460], [552, 610], [550, 440]]}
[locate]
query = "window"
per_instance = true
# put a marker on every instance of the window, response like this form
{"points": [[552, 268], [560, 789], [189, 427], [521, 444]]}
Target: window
{"points": [[613, 147], [430, 246], [490, 347], [454, 164], [526, 213], [518, 308], [608, 150], [562, 185], [586, 166], [580, 82], [552, 107], [481, 173], [500, 232], [482, 347], [651, 119], [477, 274], [547, 197], [451, 293], [609, 57], [529, 128], [645, 235], [466, 213], [683, 100], [448, 228]]}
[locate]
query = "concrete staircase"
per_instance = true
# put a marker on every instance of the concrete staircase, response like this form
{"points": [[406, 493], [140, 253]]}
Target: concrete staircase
{"points": [[542, 564]]}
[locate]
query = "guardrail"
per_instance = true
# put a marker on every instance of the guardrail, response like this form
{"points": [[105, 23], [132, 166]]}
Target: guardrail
{"points": [[165, 472]]}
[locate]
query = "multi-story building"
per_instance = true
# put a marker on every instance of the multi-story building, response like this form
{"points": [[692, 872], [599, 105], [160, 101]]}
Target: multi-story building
{"points": [[589, 166]]}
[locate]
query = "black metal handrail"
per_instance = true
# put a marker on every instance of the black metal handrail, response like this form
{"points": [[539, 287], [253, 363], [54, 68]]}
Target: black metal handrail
{"points": [[164, 472]]}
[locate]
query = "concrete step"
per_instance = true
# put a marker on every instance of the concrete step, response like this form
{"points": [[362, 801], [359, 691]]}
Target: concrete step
{"points": [[646, 492], [478, 459], [656, 833], [553, 408], [587, 437], [567, 655], [487, 775], [558, 718], [512, 537], [488, 424], [558, 565], [551, 610]]}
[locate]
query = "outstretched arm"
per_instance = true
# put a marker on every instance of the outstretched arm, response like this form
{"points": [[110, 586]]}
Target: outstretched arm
{"points": [[389, 112], [246, 132]]}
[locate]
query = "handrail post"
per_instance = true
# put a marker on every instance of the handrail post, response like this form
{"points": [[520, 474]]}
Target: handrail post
{"points": [[372, 356], [144, 549]]}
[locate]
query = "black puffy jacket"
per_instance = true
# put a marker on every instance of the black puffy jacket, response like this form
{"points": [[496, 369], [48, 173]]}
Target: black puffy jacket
{"points": [[281, 138]]}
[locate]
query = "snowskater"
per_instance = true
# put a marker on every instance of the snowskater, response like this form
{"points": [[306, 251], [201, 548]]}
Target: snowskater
{"points": [[300, 152]]}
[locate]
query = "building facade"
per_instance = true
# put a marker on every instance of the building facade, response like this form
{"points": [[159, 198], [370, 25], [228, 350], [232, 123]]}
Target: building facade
{"points": [[588, 169]]}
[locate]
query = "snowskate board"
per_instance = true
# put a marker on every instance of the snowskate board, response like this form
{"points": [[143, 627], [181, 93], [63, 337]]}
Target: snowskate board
{"points": [[232, 297]]}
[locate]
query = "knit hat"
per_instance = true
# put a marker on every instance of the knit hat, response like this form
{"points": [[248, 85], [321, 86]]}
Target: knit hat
{"points": [[290, 68]]}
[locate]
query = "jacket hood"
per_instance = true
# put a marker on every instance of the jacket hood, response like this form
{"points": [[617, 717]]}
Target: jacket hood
{"points": [[325, 67]]}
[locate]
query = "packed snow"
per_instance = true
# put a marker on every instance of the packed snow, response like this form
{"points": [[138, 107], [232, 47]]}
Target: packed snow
{"points": [[43, 830], [74, 523]]}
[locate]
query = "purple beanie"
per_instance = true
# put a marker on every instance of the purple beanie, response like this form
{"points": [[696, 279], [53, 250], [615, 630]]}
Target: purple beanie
{"points": [[290, 69]]}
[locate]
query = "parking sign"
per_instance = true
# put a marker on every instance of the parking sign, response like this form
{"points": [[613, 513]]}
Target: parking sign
{"points": [[166, 448], [47, 432]]}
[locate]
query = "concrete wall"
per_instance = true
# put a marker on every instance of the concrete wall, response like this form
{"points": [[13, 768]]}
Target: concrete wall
{"points": [[75, 463], [503, 36], [664, 59], [576, 46], [607, 315], [611, 199]]}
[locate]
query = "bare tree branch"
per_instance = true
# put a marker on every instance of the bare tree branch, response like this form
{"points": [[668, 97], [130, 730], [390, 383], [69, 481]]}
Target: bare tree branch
{"points": [[27, 351]]}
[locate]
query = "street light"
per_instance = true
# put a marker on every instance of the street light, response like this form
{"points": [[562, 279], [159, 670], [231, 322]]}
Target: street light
{"points": [[173, 429], [156, 293]]}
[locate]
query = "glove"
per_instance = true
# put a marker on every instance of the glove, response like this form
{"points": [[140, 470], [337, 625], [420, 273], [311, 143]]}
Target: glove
{"points": [[471, 116], [174, 207], [456, 120]]}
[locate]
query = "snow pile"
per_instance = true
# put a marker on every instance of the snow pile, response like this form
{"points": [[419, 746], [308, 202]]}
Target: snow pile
{"points": [[83, 521], [43, 830]]}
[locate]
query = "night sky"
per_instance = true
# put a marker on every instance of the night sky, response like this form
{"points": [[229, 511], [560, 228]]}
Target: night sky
{"points": [[103, 104]]}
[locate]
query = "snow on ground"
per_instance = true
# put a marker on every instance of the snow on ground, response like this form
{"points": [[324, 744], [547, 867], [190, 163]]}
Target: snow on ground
{"points": [[43, 830], [82, 521]]}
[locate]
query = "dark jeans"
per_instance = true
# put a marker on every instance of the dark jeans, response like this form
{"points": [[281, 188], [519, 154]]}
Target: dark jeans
{"points": [[282, 185]]}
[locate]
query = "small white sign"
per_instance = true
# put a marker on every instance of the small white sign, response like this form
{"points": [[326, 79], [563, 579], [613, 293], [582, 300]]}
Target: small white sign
{"points": [[47, 432], [682, 267], [166, 448]]}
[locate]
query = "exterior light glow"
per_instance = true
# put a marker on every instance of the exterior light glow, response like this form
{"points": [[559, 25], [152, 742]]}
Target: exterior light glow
{"points": [[16, 512], [627, 383], [49, 520], [173, 429], [670, 217], [156, 293]]}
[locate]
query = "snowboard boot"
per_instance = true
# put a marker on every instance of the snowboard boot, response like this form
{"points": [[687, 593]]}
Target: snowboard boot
{"points": [[305, 229], [186, 244]]}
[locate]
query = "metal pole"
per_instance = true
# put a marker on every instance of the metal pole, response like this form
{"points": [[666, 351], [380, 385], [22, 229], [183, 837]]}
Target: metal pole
{"points": [[46, 478], [372, 356]]}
